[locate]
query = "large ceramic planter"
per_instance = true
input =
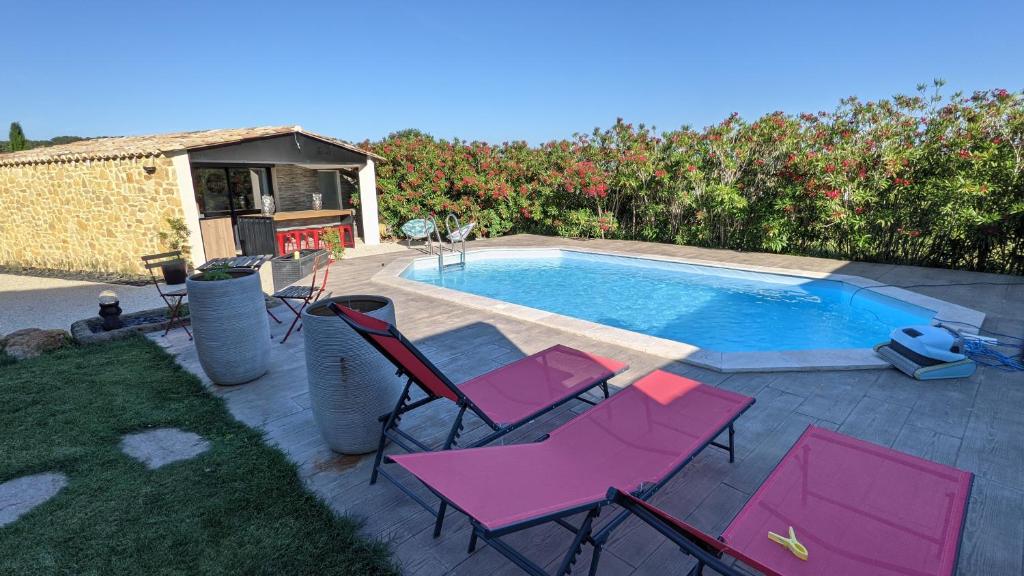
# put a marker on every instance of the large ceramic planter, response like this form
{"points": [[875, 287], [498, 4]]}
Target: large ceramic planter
{"points": [[229, 324], [350, 383]]}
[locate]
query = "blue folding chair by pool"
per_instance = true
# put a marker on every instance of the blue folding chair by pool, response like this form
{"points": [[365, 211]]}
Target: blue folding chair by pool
{"points": [[419, 229]]}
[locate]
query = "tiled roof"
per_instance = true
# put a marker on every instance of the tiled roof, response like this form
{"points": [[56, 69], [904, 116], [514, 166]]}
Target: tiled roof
{"points": [[157, 144]]}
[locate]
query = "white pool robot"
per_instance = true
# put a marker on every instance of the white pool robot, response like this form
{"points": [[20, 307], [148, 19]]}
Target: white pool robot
{"points": [[927, 353]]}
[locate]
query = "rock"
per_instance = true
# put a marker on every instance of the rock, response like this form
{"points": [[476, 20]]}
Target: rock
{"points": [[20, 495], [31, 342], [155, 448]]}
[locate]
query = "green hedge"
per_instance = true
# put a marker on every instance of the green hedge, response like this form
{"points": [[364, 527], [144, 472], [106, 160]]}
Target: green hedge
{"points": [[919, 179]]}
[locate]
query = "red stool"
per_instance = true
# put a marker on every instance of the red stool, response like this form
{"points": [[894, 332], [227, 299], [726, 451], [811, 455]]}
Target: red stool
{"points": [[348, 238]]}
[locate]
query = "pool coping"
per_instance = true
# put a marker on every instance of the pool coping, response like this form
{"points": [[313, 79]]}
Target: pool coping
{"points": [[790, 360]]}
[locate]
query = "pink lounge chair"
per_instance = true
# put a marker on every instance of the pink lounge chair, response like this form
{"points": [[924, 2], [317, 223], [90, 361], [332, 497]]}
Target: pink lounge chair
{"points": [[857, 507], [504, 399], [638, 439]]}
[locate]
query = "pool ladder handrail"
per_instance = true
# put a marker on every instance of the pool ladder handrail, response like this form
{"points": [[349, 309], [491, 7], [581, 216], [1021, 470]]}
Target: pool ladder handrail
{"points": [[433, 232], [461, 250]]}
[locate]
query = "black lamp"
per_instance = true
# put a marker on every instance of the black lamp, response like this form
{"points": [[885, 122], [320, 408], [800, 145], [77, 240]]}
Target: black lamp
{"points": [[110, 310]]}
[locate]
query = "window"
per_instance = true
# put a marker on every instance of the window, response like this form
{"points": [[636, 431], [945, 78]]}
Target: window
{"points": [[230, 191]]}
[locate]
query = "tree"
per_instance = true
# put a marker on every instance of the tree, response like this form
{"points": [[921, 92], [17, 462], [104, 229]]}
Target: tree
{"points": [[17, 139]]}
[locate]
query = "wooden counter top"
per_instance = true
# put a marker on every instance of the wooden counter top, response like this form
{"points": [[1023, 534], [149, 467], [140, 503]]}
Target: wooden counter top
{"points": [[305, 214]]}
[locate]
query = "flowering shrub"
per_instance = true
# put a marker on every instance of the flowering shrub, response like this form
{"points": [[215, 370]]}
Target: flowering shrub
{"points": [[918, 179]]}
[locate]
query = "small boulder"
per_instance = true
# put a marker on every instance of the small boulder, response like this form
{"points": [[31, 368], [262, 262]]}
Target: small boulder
{"points": [[31, 342]]}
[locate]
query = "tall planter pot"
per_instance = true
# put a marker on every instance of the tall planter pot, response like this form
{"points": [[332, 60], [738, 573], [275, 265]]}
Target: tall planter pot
{"points": [[351, 384], [230, 326]]}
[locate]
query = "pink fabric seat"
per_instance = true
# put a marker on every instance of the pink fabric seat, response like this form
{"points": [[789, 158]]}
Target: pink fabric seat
{"points": [[642, 435], [859, 509], [518, 390]]}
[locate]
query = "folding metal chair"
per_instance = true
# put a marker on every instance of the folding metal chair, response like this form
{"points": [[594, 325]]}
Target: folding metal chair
{"points": [[304, 294], [172, 298]]}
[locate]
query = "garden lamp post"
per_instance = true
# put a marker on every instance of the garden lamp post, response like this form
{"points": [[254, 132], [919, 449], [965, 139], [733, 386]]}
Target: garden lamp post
{"points": [[110, 310]]}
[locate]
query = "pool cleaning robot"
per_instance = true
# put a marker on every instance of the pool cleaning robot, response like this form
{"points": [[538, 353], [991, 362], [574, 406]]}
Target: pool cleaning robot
{"points": [[927, 353]]}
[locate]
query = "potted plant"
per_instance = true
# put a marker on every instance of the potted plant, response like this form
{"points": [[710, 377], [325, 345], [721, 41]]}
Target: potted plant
{"points": [[229, 324], [350, 383], [332, 242], [175, 239]]}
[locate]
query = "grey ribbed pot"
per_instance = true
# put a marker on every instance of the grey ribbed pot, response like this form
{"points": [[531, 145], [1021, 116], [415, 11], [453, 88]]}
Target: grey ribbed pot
{"points": [[230, 326], [351, 384]]}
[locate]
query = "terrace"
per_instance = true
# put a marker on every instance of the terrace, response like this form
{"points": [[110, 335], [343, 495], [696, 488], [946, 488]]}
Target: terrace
{"points": [[974, 424]]}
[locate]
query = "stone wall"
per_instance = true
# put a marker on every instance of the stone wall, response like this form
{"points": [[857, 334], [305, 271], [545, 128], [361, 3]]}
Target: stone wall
{"points": [[93, 215], [294, 187]]}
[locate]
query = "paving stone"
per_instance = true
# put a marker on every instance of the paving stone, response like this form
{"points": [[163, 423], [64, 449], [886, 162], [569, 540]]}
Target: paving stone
{"points": [[156, 448], [19, 496], [875, 421]]}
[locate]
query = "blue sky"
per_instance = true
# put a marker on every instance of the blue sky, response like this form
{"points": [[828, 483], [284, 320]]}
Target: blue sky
{"points": [[479, 70]]}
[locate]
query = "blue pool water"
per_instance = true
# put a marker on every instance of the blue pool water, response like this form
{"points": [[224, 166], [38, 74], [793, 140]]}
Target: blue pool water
{"points": [[714, 308]]}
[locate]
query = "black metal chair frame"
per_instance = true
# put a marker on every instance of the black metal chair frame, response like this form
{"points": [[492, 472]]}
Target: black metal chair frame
{"points": [[705, 554], [391, 420], [311, 296], [173, 299]]}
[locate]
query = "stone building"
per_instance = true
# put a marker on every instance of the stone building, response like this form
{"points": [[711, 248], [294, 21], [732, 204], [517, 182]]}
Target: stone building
{"points": [[98, 205]]}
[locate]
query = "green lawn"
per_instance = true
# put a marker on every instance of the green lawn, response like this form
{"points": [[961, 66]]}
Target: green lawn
{"points": [[237, 509]]}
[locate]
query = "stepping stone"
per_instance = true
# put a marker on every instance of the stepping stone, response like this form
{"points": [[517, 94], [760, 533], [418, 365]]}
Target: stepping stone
{"points": [[155, 448], [20, 495]]}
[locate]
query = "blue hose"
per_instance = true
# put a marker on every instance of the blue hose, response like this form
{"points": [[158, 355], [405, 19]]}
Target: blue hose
{"points": [[988, 355]]}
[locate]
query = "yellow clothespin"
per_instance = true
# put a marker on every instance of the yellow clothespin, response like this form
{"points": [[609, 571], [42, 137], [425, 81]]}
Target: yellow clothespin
{"points": [[791, 543]]}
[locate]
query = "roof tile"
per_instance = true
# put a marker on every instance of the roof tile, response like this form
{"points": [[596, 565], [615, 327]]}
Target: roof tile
{"points": [[156, 144]]}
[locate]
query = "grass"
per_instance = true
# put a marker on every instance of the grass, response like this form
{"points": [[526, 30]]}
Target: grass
{"points": [[237, 509]]}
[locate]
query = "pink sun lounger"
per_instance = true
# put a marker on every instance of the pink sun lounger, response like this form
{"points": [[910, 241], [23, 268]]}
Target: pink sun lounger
{"points": [[858, 509], [638, 439], [504, 399]]}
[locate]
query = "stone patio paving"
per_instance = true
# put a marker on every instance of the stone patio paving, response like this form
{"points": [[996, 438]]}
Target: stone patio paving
{"points": [[976, 424]]}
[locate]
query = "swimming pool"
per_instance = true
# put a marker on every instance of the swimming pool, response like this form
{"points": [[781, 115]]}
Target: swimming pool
{"points": [[713, 308]]}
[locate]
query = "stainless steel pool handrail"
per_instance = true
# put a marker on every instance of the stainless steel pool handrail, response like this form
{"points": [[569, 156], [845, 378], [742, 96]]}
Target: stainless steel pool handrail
{"points": [[451, 243]]}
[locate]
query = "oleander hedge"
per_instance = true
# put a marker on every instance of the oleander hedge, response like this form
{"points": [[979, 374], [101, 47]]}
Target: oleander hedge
{"points": [[914, 179]]}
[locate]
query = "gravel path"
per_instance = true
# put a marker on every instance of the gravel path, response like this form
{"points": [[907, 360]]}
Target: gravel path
{"points": [[39, 302]]}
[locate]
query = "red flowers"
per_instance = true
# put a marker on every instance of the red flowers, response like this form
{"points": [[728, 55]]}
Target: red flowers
{"points": [[964, 153], [691, 168], [660, 173], [833, 194], [830, 168]]}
